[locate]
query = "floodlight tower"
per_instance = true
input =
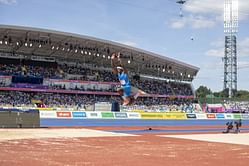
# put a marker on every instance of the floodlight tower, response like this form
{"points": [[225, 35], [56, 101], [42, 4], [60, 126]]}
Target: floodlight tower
{"points": [[230, 57]]}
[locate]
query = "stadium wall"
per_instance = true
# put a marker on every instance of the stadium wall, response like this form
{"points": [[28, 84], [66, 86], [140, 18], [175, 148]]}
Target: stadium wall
{"points": [[139, 115], [53, 113], [17, 118]]}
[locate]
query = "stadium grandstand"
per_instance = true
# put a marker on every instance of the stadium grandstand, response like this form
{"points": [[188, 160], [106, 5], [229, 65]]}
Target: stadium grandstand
{"points": [[47, 68]]}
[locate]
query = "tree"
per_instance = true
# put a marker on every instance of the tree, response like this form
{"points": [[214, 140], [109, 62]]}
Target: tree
{"points": [[205, 93], [202, 92], [242, 94], [224, 93]]}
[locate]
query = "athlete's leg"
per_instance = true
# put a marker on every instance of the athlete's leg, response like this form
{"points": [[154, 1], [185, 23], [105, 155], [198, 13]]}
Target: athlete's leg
{"points": [[132, 100], [126, 95], [120, 91], [129, 94], [137, 92]]}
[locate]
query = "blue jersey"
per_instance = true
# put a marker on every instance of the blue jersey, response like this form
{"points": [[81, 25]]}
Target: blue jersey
{"points": [[124, 79]]}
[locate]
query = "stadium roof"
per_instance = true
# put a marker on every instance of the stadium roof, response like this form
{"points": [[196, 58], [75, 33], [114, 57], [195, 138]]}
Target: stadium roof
{"points": [[85, 49]]}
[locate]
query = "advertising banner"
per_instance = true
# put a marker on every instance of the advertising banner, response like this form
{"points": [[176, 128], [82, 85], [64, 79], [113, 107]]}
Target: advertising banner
{"points": [[175, 116], [121, 115], [133, 115], [151, 115], [138, 110], [79, 114], [228, 116], [211, 116], [48, 114], [220, 116], [93, 115], [245, 116], [46, 109], [107, 115], [201, 116], [236, 116], [64, 114], [191, 116]]}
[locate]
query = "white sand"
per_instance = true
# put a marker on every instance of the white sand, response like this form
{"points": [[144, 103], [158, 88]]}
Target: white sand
{"points": [[241, 138], [12, 134]]}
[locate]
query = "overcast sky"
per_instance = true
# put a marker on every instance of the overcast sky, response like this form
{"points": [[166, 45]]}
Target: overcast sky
{"points": [[152, 25]]}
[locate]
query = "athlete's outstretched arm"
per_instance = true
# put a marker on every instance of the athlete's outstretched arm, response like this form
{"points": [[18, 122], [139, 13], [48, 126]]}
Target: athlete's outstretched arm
{"points": [[120, 62], [114, 65]]}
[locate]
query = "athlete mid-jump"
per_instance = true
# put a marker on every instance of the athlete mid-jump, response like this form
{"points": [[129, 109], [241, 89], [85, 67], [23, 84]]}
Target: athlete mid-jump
{"points": [[128, 94]]}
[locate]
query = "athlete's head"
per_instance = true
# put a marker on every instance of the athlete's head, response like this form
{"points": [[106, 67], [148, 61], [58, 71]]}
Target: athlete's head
{"points": [[120, 69], [114, 55]]}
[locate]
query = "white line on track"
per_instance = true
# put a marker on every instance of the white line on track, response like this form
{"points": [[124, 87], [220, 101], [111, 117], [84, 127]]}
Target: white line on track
{"points": [[241, 138]]}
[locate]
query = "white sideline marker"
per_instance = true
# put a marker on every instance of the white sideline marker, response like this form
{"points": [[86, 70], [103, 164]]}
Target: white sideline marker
{"points": [[241, 138], [14, 134]]}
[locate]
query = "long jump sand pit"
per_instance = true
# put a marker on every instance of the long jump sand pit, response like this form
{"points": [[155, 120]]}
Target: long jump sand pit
{"points": [[78, 146], [12, 134], [241, 139]]}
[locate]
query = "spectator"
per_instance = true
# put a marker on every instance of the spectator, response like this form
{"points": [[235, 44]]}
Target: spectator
{"points": [[82, 73]]}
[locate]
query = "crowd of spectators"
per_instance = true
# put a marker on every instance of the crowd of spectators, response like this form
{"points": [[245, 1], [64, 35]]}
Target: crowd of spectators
{"points": [[236, 107], [15, 98], [151, 86], [181, 89], [112, 88], [29, 70], [3, 83], [154, 86], [59, 72]]}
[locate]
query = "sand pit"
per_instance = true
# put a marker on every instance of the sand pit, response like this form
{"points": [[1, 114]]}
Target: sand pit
{"points": [[241, 139], [77, 146], [12, 134]]}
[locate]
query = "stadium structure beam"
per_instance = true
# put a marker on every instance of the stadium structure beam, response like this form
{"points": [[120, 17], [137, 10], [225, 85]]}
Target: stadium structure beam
{"points": [[230, 57]]}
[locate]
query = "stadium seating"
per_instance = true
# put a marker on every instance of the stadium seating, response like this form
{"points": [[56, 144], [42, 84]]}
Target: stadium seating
{"points": [[80, 73], [236, 107], [15, 98], [83, 79]]}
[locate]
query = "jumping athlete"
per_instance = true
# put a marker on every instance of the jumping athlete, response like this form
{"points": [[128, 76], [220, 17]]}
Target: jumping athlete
{"points": [[126, 91]]}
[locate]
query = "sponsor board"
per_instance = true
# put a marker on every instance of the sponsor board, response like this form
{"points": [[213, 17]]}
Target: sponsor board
{"points": [[220, 116], [236, 116], [138, 110], [93, 115], [107, 115], [201, 116], [63, 114], [79, 114], [178, 115], [46, 109], [211, 116], [151, 115], [191, 116], [228, 116], [245, 116], [48, 114], [133, 115], [120, 115]]}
